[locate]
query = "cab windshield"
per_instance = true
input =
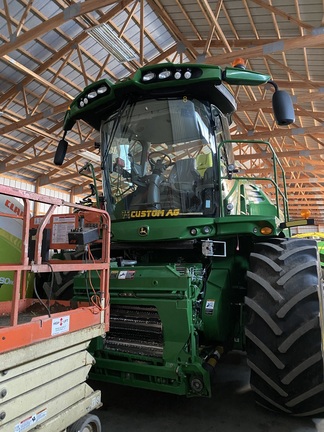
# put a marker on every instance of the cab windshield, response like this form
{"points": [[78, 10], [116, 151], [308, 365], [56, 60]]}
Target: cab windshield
{"points": [[159, 156]]}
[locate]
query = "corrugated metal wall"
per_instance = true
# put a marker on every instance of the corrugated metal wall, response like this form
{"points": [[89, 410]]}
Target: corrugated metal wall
{"points": [[18, 184]]}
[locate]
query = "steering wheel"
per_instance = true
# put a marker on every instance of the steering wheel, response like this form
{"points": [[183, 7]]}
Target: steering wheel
{"points": [[161, 157]]}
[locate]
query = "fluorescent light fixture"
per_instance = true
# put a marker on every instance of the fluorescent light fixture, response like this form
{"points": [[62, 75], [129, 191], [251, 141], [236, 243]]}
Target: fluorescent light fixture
{"points": [[109, 40], [90, 156]]}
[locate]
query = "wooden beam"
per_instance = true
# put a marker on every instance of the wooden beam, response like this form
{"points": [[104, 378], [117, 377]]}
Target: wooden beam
{"points": [[34, 118], [316, 39], [304, 180], [309, 205], [289, 153], [279, 12], [288, 169], [234, 43], [164, 55], [62, 52], [142, 27], [301, 84], [205, 5], [315, 131], [294, 190], [165, 18], [7, 15], [61, 178], [37, 77], [48, 156], [69, 13], [266, 103], [23, 17]]}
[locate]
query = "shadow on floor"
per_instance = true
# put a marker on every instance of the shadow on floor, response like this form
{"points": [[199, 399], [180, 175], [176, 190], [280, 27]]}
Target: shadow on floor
{"points": [[230, 409]]}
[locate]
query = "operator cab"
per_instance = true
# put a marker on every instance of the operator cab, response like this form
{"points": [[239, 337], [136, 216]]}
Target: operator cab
{"points": [[159, 155]]}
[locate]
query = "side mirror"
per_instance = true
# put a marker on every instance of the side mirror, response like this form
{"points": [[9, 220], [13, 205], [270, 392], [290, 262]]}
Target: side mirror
{"points": [[60, 152], [283, 108]]}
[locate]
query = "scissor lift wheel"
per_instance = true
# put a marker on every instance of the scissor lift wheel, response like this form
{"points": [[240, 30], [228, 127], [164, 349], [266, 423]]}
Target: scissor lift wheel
{"points": [[88, 423]]}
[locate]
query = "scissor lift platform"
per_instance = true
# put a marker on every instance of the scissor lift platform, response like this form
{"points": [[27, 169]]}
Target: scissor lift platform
{"points": [[44, 362]]}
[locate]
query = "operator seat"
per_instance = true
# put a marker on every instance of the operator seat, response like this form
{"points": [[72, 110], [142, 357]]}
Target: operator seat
{"points": [[184, 177], [204, 162], [184, 180]]}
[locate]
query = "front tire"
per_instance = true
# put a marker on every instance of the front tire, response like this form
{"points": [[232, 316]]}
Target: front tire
{"points": [[284, 327]]}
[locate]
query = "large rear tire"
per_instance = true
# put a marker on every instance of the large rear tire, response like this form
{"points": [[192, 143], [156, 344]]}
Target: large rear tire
{"points": [[284, 326]]}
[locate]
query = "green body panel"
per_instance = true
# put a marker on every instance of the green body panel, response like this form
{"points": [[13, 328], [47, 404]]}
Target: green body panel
{"points": [[241, 195], [251, 225], [11, 245], [240, 76], [167, 228], [173, 293], [321, 251], [10, 252], [175, 229], [217, 313], [185, 315]]}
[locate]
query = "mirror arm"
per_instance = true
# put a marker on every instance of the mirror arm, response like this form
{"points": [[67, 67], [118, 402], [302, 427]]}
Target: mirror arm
{"points": [[275, 85]]}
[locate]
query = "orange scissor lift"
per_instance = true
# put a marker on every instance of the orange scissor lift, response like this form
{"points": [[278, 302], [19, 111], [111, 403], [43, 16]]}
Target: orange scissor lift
{"points": [[44, 360]]}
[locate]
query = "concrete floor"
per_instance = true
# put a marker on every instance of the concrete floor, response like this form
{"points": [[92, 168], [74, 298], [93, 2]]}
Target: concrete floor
{"points": [[231, 408]]}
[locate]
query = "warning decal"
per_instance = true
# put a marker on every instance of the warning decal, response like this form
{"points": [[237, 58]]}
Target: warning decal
{"points": [[128, 274], [60, 325], [32, 420], [209, 308]]}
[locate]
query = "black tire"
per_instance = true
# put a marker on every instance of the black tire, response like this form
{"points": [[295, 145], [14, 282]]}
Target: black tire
{"points": [[284, 327], [88, 423]]}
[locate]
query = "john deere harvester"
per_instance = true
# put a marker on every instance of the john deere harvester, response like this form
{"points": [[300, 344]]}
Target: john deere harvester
{"points": [[201, 259]]}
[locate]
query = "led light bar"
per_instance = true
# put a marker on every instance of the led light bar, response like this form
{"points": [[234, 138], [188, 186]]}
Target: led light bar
{"points": [[93, 94], [169, 73]]}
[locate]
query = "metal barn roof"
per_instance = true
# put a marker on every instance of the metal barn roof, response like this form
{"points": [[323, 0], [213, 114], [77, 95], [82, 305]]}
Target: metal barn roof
{"points": [[47, 57]]}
